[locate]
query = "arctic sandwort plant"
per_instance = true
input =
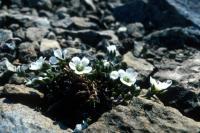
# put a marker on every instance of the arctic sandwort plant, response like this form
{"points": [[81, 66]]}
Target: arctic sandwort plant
{"points": [[97, 82]]}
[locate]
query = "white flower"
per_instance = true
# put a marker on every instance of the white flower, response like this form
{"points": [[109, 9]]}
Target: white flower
{"points": [[114, 75], [112, 49], [158, 85], [58, 54], [128, 77], [37, 65], [80, 66], [106, 64]]}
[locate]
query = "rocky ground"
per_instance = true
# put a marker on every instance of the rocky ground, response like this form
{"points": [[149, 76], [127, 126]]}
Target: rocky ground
{"points": [[156, 38]]}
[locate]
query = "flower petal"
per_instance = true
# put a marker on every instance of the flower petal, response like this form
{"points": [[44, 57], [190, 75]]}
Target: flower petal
{"points": [[114, 75], [126, 83], [76, 60], [53, 60], [72, 65], [65, 53], [87, 69], [58, 53], [153, 81], [79, 72], [85, 61], [165, 85], [121, 72]]}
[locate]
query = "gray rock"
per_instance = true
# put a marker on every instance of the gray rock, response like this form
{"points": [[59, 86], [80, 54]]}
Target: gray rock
{"points": [[21, 94], [47, 44], [27, 51], [140, 65], [92, 37], [143, 116], [5, 35], [136, 30], [185, 93], [62, 23], [175, 37], [36, 34], [155, 14], [43, 4], [26, 20], [83, 23], [17, 118]]}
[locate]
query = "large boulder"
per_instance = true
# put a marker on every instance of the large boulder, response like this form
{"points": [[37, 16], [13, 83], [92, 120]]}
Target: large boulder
{"points": [[174, 38], [152, 13], [184, 93], [17, 118], [143, 116], [21, 94]]}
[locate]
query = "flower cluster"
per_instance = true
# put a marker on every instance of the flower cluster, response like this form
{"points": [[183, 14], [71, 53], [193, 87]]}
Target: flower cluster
{"points": [[127, 77]]}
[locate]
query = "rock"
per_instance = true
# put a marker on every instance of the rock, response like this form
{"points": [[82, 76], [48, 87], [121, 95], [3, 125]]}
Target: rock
{"points": [[92, 37], [5, 35], [136, 30], [26, 20], [143, 116], [21, 94], [155, 14], [27, 51], [140, 65], [36, 34], [47, 44], [174, 38], [91, 4], [73, 51], [62, 23], [185, 93], [83, 23], [5, 72], [41, 4], [22, 119]]}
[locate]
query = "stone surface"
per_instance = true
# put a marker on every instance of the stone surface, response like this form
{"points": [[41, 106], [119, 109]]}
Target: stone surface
{"points": [[47, 44], [5, 35], [36, 34], [153, 13], [143, 116], [92, 37], [185, 95], [17, 118], [21, 94], [83, 23], [140, 65], [175, 37], [27, 51]]}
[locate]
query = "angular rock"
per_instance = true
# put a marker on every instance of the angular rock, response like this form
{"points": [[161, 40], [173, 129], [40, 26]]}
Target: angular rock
{"points": [[83, 23], [5, 35], [47, 44], [135, 30], [27, 51], [92, 37], [36, 34], [21, 94], [62, 23], [140, 65], [17, 118], [42, 4], [26, 20], [143, 116], [185, 93], [155, 14], [175, 37]]}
